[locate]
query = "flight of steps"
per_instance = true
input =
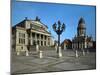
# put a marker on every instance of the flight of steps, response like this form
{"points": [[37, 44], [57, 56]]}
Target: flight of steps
{"points": [[46, 48], [33, 48], [43, 48]]}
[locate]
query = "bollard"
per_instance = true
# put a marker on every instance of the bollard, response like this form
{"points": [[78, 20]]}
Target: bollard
{"points": [[60, 53], [27, 54], [76, 54], [37, 48], [41, 54], [83, 53], [18, 53], [87, 51]]}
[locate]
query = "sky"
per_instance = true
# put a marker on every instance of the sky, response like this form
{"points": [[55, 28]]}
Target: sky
{"points": [[49, 13]]}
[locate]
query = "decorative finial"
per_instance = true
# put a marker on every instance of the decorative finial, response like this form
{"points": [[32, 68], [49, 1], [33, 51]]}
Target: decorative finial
{"points": [[37, 18]]}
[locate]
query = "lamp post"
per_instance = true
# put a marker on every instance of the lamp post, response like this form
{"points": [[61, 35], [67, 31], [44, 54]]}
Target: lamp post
{"points": [[58, 28]]}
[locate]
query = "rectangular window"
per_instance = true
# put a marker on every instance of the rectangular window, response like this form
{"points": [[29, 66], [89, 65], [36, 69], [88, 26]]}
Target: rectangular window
{"points": [[21, 38]]}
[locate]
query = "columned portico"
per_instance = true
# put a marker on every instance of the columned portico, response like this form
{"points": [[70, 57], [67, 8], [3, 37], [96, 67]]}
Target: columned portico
{"points": [[40, 39], [29, 33]]}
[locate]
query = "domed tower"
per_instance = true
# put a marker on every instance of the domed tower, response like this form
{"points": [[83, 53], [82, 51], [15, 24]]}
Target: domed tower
{"points": [[81, 29]]}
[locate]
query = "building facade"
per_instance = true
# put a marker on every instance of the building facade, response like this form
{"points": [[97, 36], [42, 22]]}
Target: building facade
{"points": [[66, 44], [28, 33], [81, 40]]}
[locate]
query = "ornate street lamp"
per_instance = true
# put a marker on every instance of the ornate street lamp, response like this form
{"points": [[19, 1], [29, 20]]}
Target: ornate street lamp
{"points": [[58, 29]]}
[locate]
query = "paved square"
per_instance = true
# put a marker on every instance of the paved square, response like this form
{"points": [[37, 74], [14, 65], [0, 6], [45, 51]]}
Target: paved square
{"points": [[50, 62]]}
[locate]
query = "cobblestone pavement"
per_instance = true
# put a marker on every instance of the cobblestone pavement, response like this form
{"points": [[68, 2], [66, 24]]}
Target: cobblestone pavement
{"points": [[50, 62]]}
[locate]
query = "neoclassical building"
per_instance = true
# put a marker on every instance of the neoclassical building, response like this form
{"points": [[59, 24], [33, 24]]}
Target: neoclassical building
{"points": [[27, 33], [81, 40]]}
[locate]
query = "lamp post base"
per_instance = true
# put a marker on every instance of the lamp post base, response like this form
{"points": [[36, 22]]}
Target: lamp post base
{"points": [[59, 53]]}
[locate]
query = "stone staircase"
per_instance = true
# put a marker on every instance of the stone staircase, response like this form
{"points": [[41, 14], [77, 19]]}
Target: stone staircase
{"points": [[33, 48], [46, 48]]}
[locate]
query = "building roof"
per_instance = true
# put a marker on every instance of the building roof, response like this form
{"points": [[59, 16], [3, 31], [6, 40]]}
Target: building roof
{"points": [[37, 21], [81, 23], [34, 25], [67, 41]]}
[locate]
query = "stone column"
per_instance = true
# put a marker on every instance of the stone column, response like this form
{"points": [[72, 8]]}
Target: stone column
{"points": [[17, 37], [26, 39], [43, 39], [35, 37], [47, 41], [40, 39], [17, 42], [50, 41], [31, 39]]}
